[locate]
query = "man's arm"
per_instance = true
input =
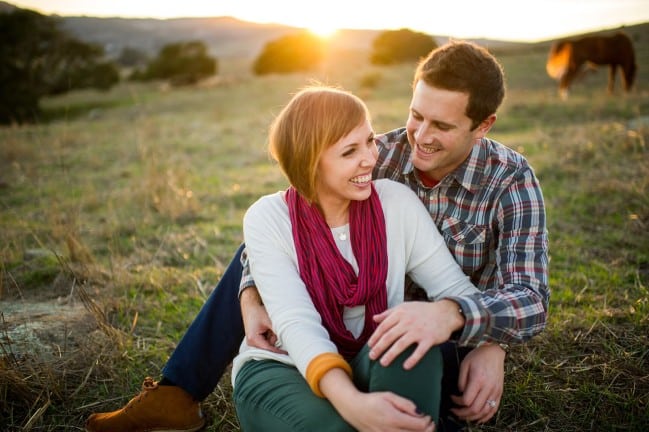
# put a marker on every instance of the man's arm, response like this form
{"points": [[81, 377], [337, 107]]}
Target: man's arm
{"points": [[517, 309], [256, 322]]}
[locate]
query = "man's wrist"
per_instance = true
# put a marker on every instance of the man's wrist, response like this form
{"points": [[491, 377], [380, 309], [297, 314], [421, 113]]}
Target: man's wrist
{"points": [[458, 319]]}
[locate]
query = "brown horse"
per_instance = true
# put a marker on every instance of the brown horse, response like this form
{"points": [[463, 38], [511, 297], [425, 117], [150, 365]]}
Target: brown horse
{"points": [[569, 55]]}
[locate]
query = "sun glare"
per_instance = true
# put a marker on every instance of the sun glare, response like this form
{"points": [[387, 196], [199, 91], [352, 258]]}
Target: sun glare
{"points": [[324, 30]]}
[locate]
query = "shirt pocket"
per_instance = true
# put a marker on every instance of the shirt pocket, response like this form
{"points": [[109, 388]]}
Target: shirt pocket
{"points": [[469, 244], [464, 233]]}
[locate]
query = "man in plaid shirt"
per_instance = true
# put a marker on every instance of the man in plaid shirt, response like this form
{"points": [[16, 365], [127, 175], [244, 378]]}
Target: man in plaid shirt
{"points": [[488, 205]]}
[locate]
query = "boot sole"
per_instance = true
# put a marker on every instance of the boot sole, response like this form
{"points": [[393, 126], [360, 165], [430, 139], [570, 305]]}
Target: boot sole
{"points": [[192, 429]]}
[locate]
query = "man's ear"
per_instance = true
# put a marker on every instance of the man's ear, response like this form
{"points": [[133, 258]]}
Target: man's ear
{"points": [[484, 127]]}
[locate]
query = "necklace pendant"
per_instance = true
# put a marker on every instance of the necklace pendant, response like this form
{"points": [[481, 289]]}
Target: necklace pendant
{"points": [[342, 236]]}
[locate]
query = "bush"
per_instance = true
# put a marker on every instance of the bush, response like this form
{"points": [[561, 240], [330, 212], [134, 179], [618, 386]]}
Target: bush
{"points": [[181, 63], [288, 54], [398, 46]]}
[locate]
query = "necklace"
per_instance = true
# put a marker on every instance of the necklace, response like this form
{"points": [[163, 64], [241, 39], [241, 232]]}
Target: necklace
{"points": [[341, 232]]}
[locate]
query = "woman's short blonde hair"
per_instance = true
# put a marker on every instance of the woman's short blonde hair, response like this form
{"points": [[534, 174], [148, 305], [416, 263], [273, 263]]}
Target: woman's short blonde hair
{"points": [[315, 118]]}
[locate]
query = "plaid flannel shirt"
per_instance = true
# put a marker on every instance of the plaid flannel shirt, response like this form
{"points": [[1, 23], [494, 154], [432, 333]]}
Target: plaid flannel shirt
{"points": [[491, 213]]}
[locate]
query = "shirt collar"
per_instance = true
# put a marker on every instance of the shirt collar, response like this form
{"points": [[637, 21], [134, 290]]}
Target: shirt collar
{"points": [[469, 174]]}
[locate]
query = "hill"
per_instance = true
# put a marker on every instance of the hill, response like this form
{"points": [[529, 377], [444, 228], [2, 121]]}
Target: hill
{"points": [[228, 37], [224, 36]]}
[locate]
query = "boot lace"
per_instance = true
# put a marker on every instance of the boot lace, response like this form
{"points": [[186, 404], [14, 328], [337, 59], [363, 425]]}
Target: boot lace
{"points": [[147, 386]]}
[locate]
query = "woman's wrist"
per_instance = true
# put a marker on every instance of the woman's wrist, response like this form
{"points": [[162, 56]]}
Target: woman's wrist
{"points": [[339, 389]]}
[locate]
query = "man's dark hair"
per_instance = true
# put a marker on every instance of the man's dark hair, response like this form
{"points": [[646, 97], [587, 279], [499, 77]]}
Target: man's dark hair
{"points": [[469, 68]]}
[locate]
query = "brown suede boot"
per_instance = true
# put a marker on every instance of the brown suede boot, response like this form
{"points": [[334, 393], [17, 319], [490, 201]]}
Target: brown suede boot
{"points": [[156, 408]]}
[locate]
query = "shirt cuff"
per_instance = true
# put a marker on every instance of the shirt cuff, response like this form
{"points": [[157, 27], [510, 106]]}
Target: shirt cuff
{"points": [[474, 328]]}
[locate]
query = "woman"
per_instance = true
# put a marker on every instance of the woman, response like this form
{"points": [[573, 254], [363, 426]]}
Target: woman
{"points": [[328, 255]]}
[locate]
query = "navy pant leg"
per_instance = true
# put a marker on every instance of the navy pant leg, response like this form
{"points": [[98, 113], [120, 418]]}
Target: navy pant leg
{"points": [[452, 356], [212, 340]]}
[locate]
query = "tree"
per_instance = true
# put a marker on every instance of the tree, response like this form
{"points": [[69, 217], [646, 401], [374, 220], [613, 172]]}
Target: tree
{"points": [[398, 46], [181, 63], [291, 53], [37, 59], [132, 57]]}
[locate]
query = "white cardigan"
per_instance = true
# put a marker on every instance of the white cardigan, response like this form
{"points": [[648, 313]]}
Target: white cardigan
{"points": [[415, 247]]}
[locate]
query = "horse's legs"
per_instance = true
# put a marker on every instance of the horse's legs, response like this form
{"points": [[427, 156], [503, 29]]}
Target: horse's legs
{"points": [[628, 75], [564, 83], [612, 68]]}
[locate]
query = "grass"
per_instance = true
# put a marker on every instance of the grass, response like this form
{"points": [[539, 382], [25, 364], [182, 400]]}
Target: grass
{"points": [[130, 203]]}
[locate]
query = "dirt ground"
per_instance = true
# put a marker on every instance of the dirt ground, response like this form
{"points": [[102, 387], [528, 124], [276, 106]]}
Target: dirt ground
{"points": [[44, 321], [44, 329]]}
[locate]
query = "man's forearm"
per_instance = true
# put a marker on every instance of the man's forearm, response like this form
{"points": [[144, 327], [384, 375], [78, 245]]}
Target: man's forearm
{"points": [[250, 297]]}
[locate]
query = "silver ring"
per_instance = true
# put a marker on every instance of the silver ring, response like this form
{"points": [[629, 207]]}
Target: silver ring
{"points": [[491, 403]]}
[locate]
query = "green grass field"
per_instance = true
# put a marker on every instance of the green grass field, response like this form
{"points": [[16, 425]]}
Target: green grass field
{"points": [[121, 210]]}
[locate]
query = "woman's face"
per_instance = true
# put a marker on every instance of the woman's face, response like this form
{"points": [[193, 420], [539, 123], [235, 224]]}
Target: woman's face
{"points": [[345, 168]]}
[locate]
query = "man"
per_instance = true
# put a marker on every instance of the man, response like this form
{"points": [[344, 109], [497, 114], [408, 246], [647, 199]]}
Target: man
{"points": [[486, 201]]}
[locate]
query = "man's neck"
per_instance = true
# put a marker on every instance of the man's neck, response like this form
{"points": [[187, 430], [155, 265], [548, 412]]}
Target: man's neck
{"points": [[426, 179]]}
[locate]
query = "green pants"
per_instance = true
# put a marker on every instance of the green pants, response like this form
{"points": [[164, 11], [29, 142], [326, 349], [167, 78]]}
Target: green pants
{"points": [[271, 396]]}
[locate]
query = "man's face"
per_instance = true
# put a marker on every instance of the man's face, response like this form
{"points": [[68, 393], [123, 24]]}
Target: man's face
{"points": [[439, 131]]}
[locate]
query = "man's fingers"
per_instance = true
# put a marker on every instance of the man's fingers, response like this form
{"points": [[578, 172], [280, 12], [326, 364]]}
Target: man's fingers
{"points": [[400, 345], [262, 341], [416, 356], [384, 336], [383, 327], [381, 316]]}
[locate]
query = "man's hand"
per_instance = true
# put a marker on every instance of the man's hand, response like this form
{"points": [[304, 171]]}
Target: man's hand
{"points": [[256, 322], [481, 378], [423, 323]]}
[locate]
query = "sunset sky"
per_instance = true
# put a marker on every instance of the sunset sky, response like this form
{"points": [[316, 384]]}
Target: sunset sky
{"points": [[523, 20]]}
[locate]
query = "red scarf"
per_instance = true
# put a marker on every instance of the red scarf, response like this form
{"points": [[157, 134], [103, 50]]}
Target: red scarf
{"points": [[329, 278]]}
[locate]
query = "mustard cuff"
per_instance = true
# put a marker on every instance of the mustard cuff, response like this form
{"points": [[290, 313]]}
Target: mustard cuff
{"points": [[322, 364]]}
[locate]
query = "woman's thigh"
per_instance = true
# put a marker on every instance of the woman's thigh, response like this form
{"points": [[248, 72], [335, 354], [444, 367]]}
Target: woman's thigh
{"points": [[271, 396]]}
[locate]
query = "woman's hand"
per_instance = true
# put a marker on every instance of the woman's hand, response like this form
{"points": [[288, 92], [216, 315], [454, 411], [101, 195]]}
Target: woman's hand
{"points": [[385, 411], [481, 379], [372, 412]]}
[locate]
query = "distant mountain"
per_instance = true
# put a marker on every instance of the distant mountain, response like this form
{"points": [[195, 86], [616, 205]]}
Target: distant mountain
{"points": [[224, 36]]}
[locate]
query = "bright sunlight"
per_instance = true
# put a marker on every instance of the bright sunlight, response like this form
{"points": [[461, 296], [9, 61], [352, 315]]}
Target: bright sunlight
{"points": [[324, 30]]}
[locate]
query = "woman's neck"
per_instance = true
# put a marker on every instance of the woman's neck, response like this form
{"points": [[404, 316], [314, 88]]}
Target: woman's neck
{"points": [[335, 212]]}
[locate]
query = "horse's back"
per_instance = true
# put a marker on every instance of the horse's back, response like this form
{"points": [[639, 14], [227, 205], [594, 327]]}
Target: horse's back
{"points": [[601, 50]]}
